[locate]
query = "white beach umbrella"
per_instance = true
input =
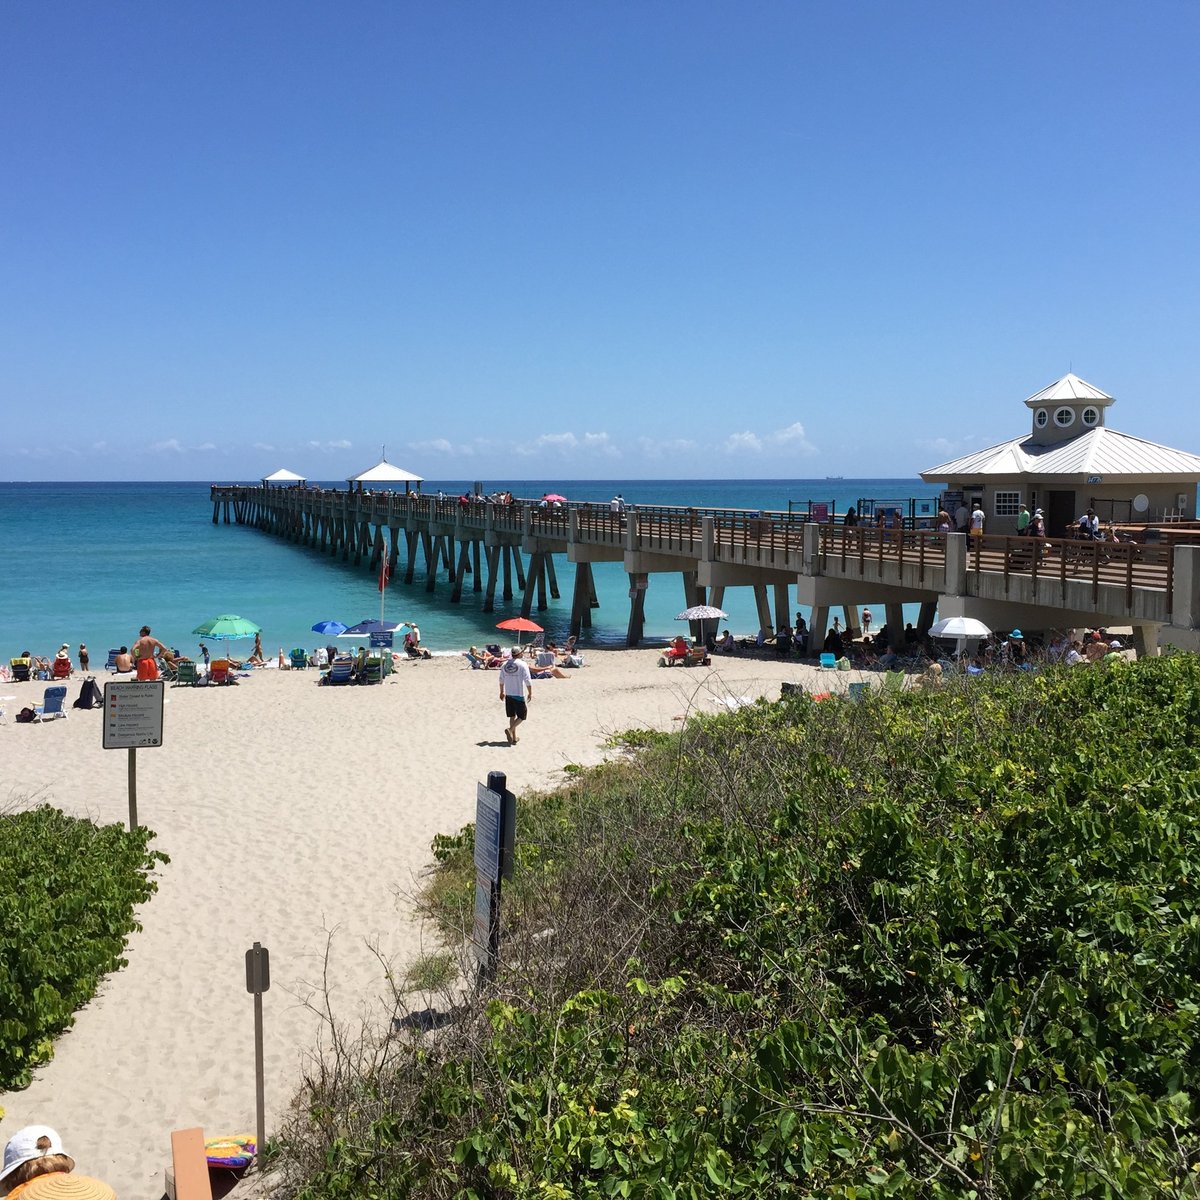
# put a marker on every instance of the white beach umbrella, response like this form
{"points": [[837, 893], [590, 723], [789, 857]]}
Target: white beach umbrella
{"points": [[959, 627]]}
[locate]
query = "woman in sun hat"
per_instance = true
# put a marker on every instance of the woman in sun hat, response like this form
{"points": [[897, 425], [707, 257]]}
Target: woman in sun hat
{"points": [[30, 1153], [68, 1187]]}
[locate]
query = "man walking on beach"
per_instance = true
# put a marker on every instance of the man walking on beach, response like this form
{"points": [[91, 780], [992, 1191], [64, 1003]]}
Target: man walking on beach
{"points": [[516, 690]]}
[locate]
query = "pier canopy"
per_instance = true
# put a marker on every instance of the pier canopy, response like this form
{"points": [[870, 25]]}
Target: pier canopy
{"points": [[384, 472], [283, 475], [1071, 461]]}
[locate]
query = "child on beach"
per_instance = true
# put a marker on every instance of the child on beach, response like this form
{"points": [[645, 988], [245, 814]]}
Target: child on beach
{"points": [[30, 1153]]}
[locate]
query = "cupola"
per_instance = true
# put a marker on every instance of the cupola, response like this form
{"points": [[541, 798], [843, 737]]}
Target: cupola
{"points": [[1065, 409]]}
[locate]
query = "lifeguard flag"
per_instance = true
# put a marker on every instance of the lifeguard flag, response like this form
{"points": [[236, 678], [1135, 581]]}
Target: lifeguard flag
{"points": [[384, 573]]}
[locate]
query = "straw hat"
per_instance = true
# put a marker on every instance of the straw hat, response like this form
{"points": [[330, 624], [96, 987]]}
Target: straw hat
{"points": [[60, 1186], [23, 1147]]}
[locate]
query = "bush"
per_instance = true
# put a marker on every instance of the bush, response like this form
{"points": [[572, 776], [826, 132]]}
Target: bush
{"points": [[923, 946], [68, 889]]}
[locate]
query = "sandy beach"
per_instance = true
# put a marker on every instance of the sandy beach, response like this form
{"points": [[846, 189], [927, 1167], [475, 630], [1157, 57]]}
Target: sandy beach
{"points": [[288, 811]]}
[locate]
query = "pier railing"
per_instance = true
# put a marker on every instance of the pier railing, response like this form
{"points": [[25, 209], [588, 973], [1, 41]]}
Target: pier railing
{"points": [[1127, 565], [856, 545]]}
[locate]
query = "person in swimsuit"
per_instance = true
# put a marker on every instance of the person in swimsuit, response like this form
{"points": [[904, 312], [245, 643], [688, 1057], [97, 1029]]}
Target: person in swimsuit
{"points": [[144, 651]]}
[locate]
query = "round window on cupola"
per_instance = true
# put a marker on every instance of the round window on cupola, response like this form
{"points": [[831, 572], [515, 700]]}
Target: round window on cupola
{"points": [[1090, 416], [1064, 417], [1040, 418]]}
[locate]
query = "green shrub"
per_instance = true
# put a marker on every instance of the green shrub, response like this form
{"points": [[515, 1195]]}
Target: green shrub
{"points": [[68, 889], [929, 946]]}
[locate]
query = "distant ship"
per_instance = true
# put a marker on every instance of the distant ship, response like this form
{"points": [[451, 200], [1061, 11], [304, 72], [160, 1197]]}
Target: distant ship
{"points": [[835, 477]]}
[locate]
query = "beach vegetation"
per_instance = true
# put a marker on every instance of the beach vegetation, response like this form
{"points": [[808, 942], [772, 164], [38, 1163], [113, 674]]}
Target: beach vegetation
{"points": [[927, 946], [69, 890]]}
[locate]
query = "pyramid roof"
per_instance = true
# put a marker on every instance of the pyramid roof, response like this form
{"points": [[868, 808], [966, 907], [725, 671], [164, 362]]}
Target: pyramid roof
{"points": [[1099, 451], [1069, 387], [283, 475], [384, 472]]}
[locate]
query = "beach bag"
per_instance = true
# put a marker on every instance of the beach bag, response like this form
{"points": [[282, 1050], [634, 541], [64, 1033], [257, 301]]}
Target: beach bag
{"points": [[24, 717], [90, 695]]}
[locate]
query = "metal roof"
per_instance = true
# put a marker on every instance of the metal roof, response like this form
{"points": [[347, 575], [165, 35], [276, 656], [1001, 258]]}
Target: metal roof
{"points": [[1100, 451], [1069, 387], [384, 472], [283, 475]]}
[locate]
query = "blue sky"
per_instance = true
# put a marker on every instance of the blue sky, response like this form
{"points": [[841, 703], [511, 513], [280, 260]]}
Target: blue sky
{"points": [[587, 240]]}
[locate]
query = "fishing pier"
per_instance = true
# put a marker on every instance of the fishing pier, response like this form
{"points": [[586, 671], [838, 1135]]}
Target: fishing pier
{"points": [[785, 557]]}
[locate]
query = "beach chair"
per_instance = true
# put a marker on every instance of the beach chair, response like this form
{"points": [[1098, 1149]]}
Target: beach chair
{"points": [[372, 671], [62, 668], [828, 661], [340, 671], [299, 659], [218, 671], [22, 669], [52, 704], [185, 674], [111, 665]]}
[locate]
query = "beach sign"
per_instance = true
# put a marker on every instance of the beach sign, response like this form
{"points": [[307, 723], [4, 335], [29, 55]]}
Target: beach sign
{"points": [[819, 513], [495, 833], [133, 715]]}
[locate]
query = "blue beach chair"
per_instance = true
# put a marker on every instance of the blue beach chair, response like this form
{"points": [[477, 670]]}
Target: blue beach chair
{"points": [[828, 661], [52, 704]]}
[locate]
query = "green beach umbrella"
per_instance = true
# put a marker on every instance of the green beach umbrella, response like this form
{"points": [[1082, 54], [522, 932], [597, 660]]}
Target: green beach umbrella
{"points": [[227, 628]]}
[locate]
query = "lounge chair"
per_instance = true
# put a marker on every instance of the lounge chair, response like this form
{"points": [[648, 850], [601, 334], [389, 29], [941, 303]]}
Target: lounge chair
{"points": [[22, 669], [828, 661], [185, 673], [62, 668], [111, 665], [341, 671], [299, 659], [218, 671], [52, 704], [371, 671]]}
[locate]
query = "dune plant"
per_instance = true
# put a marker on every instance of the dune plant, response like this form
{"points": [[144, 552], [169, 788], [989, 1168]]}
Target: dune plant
{"points": [[68, 892], [931, 946]]}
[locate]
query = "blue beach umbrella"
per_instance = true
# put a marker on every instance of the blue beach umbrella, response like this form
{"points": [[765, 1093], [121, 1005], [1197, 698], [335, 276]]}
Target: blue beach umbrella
{"points": [[329, 628], [366, 628]]}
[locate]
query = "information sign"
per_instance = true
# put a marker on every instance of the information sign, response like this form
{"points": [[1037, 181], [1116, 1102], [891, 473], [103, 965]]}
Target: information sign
{"points": [[819, 513], [381, 641], [133, 715], [481, 932], [487, 832]]}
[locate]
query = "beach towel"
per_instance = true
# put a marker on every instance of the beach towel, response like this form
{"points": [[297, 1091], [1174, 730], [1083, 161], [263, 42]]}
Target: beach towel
{"points": [[232, 1152]]}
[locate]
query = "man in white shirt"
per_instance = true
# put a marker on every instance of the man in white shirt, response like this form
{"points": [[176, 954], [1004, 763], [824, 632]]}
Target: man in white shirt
{"points": [[977, 518], [516, 690]]}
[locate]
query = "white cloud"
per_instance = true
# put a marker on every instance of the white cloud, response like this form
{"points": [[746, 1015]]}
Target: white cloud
{"points": [[263, 446], [946, 447], [439, 446], [600, 443], [737, 443], [206, 446], [170, 446], [338, 445], [795, 438]]}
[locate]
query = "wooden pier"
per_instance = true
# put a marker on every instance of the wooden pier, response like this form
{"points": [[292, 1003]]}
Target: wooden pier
{"points": [[486, 547]]}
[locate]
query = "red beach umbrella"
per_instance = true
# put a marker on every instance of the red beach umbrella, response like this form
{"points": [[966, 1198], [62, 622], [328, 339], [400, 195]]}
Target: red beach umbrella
{"points": [[520, 625]]}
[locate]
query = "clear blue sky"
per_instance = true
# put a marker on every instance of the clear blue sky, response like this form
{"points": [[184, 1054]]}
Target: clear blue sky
{"points": [[587, 240]]}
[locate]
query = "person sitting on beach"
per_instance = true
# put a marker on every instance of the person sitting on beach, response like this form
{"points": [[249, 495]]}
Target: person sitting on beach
{"points": [[726, 644], [550, 672], [833, 642], [783, 641], [931, 680], [31, 1153], [124, 661], [412, 643]]}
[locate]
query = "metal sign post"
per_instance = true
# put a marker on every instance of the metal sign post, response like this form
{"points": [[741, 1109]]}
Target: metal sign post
{"points": [[258, 980], [495, 835], [133, 717]]}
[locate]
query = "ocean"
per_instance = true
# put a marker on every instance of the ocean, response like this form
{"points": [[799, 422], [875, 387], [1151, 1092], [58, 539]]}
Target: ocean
{"points": [[93, 562]]}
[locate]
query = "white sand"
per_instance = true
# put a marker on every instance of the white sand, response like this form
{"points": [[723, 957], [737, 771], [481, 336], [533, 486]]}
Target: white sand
{"points": [[289, 810]]}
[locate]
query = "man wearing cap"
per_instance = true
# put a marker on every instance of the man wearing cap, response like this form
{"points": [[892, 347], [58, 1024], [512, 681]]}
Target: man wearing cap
{"points": [[1022, 521], [516, 690]]}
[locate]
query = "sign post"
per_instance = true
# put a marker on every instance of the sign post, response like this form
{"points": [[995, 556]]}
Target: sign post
{"points": [[495, 834], [258, 980], [133, 717]]}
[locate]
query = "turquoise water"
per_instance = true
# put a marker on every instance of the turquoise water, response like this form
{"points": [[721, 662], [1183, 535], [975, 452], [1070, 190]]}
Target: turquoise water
{"points": [[92, 562]]}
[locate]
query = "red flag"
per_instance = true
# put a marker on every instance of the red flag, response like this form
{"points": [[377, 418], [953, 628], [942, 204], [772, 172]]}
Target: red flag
{"points": [[384, 573]]}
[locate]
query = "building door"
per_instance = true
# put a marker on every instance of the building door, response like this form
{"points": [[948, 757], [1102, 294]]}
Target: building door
{"points": [[1060, 513]]}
